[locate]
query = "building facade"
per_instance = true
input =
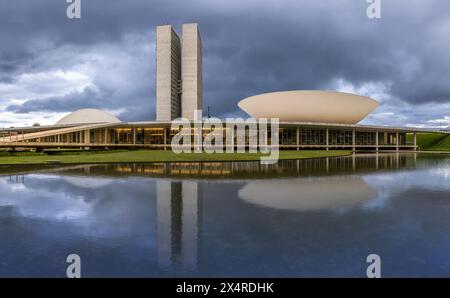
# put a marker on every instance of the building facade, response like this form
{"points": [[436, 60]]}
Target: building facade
{"points": [[191, 71], [179, 79], [168, 74], [307, 119], [159, 134]]}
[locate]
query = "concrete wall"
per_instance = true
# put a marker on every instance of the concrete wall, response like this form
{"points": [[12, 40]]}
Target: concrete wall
{"points": [[192, 78], [168, 73]]}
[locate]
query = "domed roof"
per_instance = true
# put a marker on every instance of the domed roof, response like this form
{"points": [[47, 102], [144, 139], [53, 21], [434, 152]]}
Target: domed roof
{"points": [[86, 116], [309, 106]]}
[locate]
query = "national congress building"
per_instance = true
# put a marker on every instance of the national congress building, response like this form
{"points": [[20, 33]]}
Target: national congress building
{"points": [[308, 119]]}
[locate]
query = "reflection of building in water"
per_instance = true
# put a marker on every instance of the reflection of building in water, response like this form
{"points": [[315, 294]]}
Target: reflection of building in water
{"points": [[178, 207], [17, 179], [242, 170], [355, 163], [308, 194]]}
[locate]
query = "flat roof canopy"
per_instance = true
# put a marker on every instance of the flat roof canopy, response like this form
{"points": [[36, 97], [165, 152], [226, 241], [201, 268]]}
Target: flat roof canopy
{"points": [[156, 124]]}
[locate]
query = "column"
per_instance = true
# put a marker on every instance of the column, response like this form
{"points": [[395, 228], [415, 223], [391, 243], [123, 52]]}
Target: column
{"points": [[326, 136], [134, 135], [377, 141], [353, 139], [106, 136], [396, 141], [87, 135], [165, 138], [298, 138]]}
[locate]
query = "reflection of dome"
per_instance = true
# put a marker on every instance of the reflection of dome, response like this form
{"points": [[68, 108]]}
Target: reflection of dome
{"points": [[306, 194], [309, 106], [85, 116]]}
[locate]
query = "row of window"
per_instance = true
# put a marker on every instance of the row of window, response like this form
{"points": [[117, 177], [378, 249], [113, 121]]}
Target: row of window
{"points": [[287, 136], [338, 137]]}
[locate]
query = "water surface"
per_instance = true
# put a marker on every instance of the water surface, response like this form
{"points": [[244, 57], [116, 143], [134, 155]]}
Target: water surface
{"points": [[306, 218]]}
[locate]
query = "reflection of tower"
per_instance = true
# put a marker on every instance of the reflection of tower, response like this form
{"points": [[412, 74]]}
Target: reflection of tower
{"points": [[163, 224], [190, 221], [178, 221]]}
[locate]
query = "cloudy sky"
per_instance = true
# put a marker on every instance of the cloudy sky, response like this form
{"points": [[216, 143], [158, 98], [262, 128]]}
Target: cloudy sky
{"points": [[51, 65]]}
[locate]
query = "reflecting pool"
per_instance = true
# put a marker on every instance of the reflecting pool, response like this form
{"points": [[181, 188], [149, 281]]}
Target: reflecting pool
{"points": [[299, 218]]}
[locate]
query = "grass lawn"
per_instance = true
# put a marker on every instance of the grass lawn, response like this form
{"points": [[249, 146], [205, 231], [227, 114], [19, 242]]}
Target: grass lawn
{"points": [[154, 156], [432, 141], [444, 144]]}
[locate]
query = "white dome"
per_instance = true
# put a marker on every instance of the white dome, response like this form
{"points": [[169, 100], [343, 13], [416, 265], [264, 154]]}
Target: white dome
{"points": [[85, 116], [309, 106]]}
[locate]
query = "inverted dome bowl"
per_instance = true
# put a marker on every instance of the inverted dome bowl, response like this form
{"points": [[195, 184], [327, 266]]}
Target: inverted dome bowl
{"points": [[309, 106]]}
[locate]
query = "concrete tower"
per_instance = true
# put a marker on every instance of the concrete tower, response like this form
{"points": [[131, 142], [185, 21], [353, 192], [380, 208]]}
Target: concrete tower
{"points": [[168, 74], [191, 71]]}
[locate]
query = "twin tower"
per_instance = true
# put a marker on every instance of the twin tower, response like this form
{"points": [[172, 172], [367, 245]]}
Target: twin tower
{"points": [[179, 82]]}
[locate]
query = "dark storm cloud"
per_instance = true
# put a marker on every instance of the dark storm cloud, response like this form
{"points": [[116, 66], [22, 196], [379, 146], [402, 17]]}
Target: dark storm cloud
{"points": [[71, 101], [250, 47]]}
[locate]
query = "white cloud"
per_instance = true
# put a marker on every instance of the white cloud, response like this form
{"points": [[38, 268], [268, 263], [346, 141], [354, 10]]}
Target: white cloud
{"points": [[44, 203], [393, 111], [43, 85], [116, 72], [9, 119], [376, 90]]}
